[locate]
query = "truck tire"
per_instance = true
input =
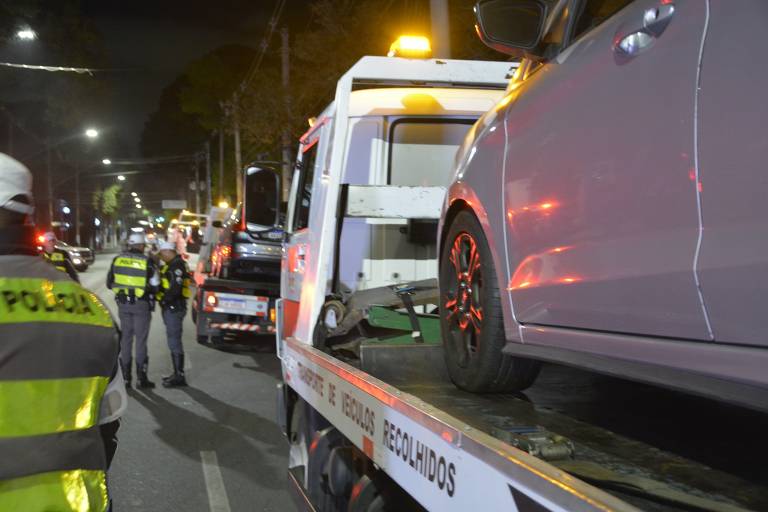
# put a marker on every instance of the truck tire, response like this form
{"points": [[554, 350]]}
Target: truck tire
{"points": [[471, 320]]}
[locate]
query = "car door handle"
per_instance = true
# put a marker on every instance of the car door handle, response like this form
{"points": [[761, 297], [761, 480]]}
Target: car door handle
{"points": [[655, 21]]}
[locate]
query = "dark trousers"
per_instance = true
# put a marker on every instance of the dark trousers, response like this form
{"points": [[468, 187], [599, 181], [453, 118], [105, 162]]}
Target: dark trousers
{"points": [[134, 324], [174, 320]]}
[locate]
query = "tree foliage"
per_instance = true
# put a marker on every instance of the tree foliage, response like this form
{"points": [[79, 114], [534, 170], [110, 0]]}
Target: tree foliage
{"points": [[338, 34]]}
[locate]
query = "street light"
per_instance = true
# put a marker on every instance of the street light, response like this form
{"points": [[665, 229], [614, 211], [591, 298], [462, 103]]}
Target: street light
{"points": [[26, 34], [223, 204], [134, 194], [121, 178], [91, 133], [136, 199], [107, 161], [138, 205]]}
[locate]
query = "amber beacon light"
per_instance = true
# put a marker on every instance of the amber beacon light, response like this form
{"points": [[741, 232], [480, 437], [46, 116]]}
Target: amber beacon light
{"points": [[413, 47]]}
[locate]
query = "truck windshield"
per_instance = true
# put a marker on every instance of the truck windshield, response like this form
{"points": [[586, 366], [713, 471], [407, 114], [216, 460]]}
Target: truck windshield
{"points": [[261, 199], [422, 151]]}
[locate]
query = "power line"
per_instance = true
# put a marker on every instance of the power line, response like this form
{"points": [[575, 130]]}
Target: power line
{"points": [[271, 25]]}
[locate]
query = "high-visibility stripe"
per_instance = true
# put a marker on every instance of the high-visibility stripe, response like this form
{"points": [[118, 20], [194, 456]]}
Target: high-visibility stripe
{"points": [[134, 282], [57, 260], [40, 300], [24, 456], [130, 271], [60, 491], [34, 407], [46, 351], [134, 262]]}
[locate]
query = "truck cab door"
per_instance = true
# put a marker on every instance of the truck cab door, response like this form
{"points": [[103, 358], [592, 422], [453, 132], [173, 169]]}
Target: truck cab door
{"points": [[302, 228]]}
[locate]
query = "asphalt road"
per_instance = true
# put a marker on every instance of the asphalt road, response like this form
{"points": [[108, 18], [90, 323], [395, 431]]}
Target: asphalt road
{"points": [[213, 446]]}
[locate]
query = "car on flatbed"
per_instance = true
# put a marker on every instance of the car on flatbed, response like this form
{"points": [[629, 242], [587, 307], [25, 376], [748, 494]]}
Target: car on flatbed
{"points": [[609, 212]]}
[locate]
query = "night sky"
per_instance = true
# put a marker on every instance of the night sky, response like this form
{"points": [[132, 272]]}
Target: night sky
{"points": [[151, 42]]}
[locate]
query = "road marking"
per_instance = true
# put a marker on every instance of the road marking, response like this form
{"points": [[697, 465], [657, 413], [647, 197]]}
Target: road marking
{"points": [[214, 483]]}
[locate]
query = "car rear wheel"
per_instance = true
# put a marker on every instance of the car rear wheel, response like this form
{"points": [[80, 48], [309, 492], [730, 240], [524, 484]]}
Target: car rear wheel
{"points": [[471, 319]]}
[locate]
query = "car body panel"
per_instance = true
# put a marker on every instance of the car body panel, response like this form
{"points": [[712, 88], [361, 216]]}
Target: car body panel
{"points": [[733, 263], [601, 214]]}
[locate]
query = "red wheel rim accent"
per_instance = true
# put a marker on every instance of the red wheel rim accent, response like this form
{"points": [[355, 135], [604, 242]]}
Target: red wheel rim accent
{"points": [[462, 300]]}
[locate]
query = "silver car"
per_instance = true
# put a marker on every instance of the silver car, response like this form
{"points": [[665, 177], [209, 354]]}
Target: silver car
{"points": [[610, 212]]}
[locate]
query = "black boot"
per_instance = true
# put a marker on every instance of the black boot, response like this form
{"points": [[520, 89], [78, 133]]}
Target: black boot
{"points": [[143, 380], [177, 379], [126, 374]]}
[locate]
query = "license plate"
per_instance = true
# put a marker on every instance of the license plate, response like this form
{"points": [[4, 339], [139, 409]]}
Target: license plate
{"points": [[255, 306]]}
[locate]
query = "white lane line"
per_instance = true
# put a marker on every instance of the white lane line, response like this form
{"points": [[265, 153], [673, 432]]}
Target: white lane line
{"points": [[214, 483]]}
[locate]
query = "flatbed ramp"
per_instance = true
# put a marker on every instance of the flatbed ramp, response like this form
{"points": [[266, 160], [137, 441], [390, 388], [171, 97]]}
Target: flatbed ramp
{"points": [[461, 451]]}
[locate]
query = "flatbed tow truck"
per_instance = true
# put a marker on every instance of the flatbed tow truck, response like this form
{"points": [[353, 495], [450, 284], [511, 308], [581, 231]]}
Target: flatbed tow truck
{"points": [[372, 419]]}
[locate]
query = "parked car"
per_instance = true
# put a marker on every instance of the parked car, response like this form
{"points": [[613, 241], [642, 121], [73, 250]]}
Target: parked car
{"points": [[609, 212]]}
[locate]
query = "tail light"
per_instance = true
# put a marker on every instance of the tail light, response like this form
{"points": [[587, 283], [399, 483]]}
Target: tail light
{"points": [[211, 301], [272, 315]]}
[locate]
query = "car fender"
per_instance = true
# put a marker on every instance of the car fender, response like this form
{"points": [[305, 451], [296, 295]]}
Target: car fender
{"points": [[462, 196]]}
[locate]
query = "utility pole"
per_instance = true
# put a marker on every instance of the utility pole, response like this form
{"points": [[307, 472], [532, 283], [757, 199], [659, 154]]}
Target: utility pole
{"points": [[238, 156], [208, 192], [48, 180], [221, 163], [77, 205], [286, 55], [441, 33], [197, 185]]}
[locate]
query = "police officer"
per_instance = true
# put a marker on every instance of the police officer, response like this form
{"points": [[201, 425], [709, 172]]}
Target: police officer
{"points": [[61, 391], [174, 291], [133, 278], [57, 257]]}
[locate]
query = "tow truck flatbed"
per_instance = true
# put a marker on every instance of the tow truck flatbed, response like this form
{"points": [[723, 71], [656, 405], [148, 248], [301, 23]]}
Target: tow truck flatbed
{"points": [[464, 428]]}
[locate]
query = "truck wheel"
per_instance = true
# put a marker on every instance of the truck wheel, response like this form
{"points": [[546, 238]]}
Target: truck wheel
{"points": [[471, 319]]}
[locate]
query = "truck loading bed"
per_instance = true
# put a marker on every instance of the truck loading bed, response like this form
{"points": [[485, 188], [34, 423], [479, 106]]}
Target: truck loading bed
{"points": [[381, 358], [486, 427]]}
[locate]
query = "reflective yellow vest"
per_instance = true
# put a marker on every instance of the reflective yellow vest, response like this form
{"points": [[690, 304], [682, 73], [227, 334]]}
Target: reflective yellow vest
{"points": [[58, 350], [165, 282], [130, 272], [56, 259]]}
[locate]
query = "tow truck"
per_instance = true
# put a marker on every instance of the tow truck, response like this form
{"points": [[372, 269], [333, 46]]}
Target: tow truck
{"points": [[238, 271], [372, 419]]}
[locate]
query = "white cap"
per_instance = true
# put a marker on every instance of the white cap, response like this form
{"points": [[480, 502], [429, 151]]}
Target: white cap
{"points": [[49, 237], [166, 246], [136, 239], [15, 180]]}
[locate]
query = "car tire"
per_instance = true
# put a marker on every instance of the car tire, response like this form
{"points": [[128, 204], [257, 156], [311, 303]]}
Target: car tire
{"points": [[471, 320]]}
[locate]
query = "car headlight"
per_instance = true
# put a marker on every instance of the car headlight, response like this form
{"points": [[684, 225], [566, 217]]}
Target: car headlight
{"points": [[77, 261], [74, 254]]}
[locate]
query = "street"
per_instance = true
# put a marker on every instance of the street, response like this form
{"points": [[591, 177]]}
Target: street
{"points": [[211, 446]]}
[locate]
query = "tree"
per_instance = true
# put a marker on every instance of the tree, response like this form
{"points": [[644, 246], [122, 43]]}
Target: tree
{"points": [[211, 80]]}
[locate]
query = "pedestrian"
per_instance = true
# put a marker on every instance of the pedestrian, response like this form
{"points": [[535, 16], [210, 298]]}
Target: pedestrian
{"points": [[133, 278], [61, 390], [174, 291], [57, 257]]}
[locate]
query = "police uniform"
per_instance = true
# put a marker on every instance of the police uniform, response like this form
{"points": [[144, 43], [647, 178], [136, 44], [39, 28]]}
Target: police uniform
{"points": [[130, 278], [59, 260], [61, 392], [175, 289]]}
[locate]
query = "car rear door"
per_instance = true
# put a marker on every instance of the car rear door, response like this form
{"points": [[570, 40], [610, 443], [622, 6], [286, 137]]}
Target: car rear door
{"points": [[733, 265], [599, 191]]}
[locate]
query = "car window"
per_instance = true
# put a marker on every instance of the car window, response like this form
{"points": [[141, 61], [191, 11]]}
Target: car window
{"points": [[595, 12], [306, 177]]}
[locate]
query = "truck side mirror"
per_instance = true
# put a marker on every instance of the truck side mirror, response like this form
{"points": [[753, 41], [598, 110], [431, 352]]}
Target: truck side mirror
{"points": [[261, 205], [513, 27]]}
